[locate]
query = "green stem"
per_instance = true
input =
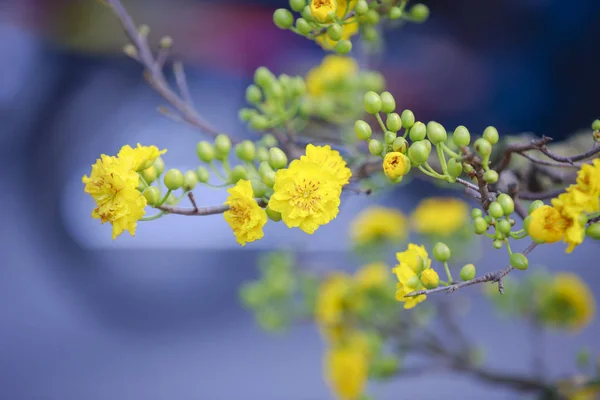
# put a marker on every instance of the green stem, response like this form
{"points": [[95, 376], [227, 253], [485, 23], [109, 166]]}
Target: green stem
{"points": [[508, 247], [520, 234], [210, 185], [384, 129], [485, 162], [442, 157], [423, 170], [143, 180], [437, 175], [449, 151], [217, 172], [489, 235], [448, 272], [160, 203], [226, 166], [152, 218]]}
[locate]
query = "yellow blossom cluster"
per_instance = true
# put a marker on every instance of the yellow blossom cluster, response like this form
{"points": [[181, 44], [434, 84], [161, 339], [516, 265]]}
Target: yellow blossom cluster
{"points": [[325, 10], [376, 224], [333, 72], [566, 218], [440, 216], [567, 302], [113, 183], [413, 272]]}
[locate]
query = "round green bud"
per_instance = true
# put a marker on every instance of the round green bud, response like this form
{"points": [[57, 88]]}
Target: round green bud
{"points": [[273, 215], [535, 205], [490, 176], [238, 172], [526, 223], [419, 152], [268, 140], [150, 174], [370, 34], [303, 26], [159, 164], [519, 261], [483, 147], [258, 188], [259, 122], [246, 114], [498, 244], [372, 17], [393, 122], [488, 219], [263, 77], [503, 226], [395, 13], [496, 210], [375, 147], [593, 231], [480, 225], [245, 150], [419, 13], [388, 103], [372, 102], [274, 91], [436, 133], [222, 145], [202, 174], [507, 203], [253, 94], [418, 131], [335, 31], [413, 283], [152, 195], [455, 168], [389, 137], [461, 136], [467, 272], [400, 144], [266, 173], [297, 5], [468, 168], [343, 47], [307, 14], [173, 179], [283, 18], [190, 180], [205, 151], [441, 252], [262, 154], [596, 125], [491, 135], [476, 212], [363, 130], [277, 158], [297, 86], [361, 7], [408, 119]]}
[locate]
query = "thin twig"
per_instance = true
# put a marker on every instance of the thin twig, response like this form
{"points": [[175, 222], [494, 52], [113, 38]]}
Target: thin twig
{"points": [[193, 201], [181, 80], [199, 211], [541, 195], [549, 163], [570, 160], [520, 147]]}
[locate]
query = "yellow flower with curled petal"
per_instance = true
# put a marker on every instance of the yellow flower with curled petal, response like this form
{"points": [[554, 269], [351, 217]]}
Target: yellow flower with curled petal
{"points": [[547, 224], [416, 257], [323, 10], [330, 160], [347, 367], [408, 282], [395, 165], [570, 206], [440, 216], [378, 223], [568, 302], [245, 217], [113, 185], [141, 157], [333, 71], [306, 195], [588, 183], [372, 276]]}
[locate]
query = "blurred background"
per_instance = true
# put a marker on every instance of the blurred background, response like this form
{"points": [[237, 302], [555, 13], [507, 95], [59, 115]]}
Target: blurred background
{"points": [[157, 316]]}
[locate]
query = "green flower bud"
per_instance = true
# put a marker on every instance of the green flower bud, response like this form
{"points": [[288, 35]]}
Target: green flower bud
{"points": [[266, 173], [277, 158], [173, 179], [519, 261], [372, 102], [343, 47], [461, 136], [258, 188], [238, 172], [419, 13], [245, 151], [372, 80], [488, 219], [496, 210], [596, 125], [476, 212], [436, 133], [388, 103], [400, 144], [202, 174], [393, 122], [190, 180], [273, 215], [526, 223], [335, 32], [467, 272], [283, 18], [303, 26], [372, 17], [159, 164], [150, 174], [408, 119], [593, 231], [262, 154], [419, 152], [263, 77], [468, 168], [275, 90], [361, 7], [441, 252], [298, 87], [483, 147], [307, 14], [253, 94], [152, 195], [480, 225], [535, 205], [297, 5], [507, 203], [498, 244], [222, 145], [503, 226], [375, 147], [363, 130], [418, 131], [490, 176], [259, 122], [268, 140], [389, 137], [491, 135], [395, 13], [455, 168], [205, 151], [414, 283], [246, 114]]}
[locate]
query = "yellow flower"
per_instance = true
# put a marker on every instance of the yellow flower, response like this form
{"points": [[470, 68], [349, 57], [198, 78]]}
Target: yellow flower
{"points": [[330, 160], [546, 224], [346, 370], [245, 217], [341, 8], [378, 223], [306, 195], [372, 276], [408, 282], [333, 71], [331, 299], [440, 216], [415, 257], [568, 302], [141, 157], [570, 206], [430, 278], [322, 10], [113, 184], [588, 183], [395, 165]]}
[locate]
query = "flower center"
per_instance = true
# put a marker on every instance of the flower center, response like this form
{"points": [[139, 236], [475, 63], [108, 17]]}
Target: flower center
{"points": [[306, 194]]}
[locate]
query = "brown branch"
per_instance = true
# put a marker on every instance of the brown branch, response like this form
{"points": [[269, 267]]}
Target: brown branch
{"points": [[518, 148], [193, 201], [196, 211], [570, 160], [482, 186], [549, 163], [541, 195]]}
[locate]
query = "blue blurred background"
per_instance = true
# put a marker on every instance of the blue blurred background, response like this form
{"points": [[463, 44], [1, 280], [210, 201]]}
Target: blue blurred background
{"points": [[157, 316]]}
